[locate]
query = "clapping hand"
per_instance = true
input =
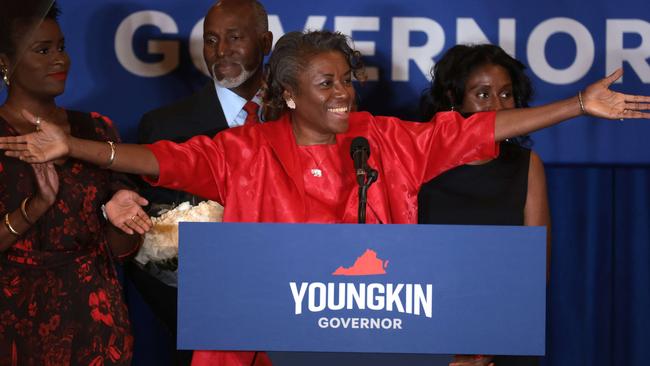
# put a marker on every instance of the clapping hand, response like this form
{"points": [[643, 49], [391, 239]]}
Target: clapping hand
{"points": [[47, 143], [600, 101], [47, 182], [125, 212]]}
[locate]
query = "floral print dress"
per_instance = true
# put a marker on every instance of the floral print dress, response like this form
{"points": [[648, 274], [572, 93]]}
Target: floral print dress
{"points": [[60, 299]]}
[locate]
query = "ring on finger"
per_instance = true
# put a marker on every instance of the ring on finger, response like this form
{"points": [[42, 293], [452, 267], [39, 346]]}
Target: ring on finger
{"points": [[38, 123], [133, 217]]}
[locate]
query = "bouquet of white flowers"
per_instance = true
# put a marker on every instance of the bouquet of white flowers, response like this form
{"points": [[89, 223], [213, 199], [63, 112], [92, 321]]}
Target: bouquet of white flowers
{"points": [[160, 244]]}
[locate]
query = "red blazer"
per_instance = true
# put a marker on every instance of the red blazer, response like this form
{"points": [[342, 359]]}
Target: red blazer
{"points": [[255, 173]]}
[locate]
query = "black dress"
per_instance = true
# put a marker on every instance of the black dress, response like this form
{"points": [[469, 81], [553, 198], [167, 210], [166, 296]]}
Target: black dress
{"points": [[493, 193]]}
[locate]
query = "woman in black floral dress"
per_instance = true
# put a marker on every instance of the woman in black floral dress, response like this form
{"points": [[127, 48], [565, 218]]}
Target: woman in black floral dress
{"points": [[60, 299]]}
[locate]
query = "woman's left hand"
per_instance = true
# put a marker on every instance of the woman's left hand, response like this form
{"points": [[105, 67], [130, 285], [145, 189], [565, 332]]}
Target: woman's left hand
{"points": [[47, 181], [125, 212], [600, 101]]}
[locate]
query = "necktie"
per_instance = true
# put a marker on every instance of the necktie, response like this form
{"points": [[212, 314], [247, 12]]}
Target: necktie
{"points": [[251, 108]]}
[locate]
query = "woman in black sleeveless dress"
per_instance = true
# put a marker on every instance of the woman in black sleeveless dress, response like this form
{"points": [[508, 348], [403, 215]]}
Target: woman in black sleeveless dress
{"points": [[508, 190]]}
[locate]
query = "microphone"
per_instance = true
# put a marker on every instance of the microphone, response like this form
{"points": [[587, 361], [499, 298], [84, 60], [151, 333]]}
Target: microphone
{"points": [[360, 152]]}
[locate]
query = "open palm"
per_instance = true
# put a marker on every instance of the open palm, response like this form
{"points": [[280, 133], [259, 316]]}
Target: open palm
{"points": [[48, 143], [125, 212], [600, 101]]}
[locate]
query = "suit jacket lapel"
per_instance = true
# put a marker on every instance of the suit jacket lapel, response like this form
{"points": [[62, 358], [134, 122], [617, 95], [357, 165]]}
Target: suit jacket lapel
{"points": [[210, 109]]}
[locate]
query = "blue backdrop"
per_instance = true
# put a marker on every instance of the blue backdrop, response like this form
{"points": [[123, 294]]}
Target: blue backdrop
{"points": [[130, 56]]}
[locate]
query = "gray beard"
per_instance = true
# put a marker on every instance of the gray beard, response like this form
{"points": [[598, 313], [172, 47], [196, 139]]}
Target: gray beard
{"points": [[231, 83]]}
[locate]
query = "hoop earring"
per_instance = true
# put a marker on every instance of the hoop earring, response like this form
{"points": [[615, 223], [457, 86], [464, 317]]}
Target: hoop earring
{"points": [[4, 71], [290, 103]]}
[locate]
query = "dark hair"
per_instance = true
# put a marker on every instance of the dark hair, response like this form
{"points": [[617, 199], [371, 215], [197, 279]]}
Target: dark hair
{"points": [[450, 74], [291, 55], [17, 16]]}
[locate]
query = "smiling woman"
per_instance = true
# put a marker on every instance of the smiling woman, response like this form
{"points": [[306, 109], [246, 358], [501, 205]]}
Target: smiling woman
{"points": [[312, 76], [264, 172]]}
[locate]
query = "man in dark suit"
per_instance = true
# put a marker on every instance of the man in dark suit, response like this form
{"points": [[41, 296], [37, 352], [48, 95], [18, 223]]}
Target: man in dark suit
{"points": [[235, 40]]}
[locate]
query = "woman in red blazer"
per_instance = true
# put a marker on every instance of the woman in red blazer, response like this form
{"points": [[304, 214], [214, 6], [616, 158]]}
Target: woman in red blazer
{"points": [[297, 168]]}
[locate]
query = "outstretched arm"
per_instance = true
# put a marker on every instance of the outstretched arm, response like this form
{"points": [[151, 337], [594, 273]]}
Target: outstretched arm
{"points": [[50, 142], [597, 100]]}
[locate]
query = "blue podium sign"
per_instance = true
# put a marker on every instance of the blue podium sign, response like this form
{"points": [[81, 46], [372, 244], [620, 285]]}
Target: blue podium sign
{"points": [[362, 288]]}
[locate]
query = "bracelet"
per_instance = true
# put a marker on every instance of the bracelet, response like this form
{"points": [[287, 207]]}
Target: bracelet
{"points": [[23, 210], [582, 105], [9, 227], [111, 159], [133, 250]]}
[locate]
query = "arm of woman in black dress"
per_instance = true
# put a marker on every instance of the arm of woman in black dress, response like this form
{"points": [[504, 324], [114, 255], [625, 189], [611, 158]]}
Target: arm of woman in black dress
{"points": [[18, 221], [536, 209]]}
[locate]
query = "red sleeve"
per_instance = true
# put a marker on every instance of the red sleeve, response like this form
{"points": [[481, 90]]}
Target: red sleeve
{"points": [[197, 166], [448, 140]]}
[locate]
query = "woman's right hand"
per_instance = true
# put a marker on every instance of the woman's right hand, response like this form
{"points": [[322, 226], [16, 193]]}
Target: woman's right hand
{"points": [[47, 182], [48, 143]]}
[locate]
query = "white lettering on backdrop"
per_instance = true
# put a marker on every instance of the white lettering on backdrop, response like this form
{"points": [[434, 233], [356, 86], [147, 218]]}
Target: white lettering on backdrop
{"points": [[403, 53]]}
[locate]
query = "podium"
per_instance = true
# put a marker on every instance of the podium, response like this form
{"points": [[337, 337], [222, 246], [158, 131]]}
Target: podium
{"points": [[424, 289]]}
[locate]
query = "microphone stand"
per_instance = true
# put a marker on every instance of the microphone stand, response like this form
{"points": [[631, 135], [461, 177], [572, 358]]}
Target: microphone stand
{"points": [[371, 177]]}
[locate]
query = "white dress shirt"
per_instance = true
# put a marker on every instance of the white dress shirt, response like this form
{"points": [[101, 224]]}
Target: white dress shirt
{"points": [[233, 106]]}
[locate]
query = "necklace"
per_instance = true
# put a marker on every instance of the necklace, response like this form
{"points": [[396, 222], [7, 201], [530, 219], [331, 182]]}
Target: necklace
{"points": [[21, 128], [20, 122], [315, 171]]}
